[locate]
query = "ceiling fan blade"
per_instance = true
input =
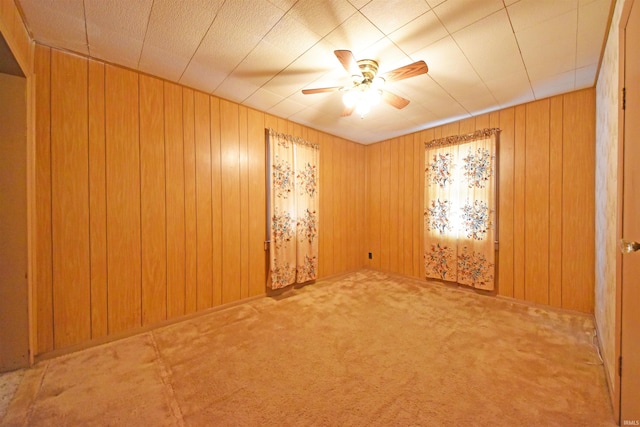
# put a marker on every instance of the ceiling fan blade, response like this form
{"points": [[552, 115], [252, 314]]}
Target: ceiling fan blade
{"points": [[407, 71], [321, 90], [395, 100], [349, 62], [347, 111]]}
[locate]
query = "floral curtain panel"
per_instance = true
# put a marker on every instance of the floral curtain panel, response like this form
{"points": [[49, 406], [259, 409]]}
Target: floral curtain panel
{"points": [[293, 209], [459, 211]]}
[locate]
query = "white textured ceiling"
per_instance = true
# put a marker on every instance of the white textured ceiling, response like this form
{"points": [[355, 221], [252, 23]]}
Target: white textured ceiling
{"points": [[483, 55]]}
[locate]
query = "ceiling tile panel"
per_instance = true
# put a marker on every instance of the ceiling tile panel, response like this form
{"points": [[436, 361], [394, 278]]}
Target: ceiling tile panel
{"points": [[57, 23], [541, 61], [528, 13], [510, 89], [307, 71], [592, 23], [389, 15], [457, 14], [355, 34], [586, 76], [553, 85], [322, 17], [494, 31], [419, 33], [263, 100], [239, 26], [173, 34], [116, 29], [261, 53], [450, 68]]}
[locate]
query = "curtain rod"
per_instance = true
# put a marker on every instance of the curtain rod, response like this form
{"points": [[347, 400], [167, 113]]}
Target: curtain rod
{"points": [[458, 139], [292, 139]]}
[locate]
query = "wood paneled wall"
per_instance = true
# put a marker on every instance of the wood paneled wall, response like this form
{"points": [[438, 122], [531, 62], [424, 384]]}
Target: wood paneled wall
{"points": [[546, 199], [150, 200]]}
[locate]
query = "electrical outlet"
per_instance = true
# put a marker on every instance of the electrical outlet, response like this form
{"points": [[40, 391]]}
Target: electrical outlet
{"points": [[370, 255]]}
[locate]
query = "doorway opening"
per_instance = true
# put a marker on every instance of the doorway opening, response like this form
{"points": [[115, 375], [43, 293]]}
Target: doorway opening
{"points": [[14, 313]]}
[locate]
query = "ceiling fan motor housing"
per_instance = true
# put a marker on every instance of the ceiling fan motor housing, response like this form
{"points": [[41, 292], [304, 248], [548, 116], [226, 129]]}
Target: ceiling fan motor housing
{"points": [[369, 69]]}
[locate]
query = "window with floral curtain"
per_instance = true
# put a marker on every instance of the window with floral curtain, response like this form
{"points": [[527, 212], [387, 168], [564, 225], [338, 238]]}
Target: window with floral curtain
{"points": [[293, 209], [460, 209]]}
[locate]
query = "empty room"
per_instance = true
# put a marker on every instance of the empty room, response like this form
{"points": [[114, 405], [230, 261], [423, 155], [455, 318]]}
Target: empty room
{"points": [[305, 212]]}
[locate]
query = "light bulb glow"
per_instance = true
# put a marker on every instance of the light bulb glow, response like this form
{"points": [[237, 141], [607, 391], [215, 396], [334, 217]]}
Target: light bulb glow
{"points": [[351, 98]]}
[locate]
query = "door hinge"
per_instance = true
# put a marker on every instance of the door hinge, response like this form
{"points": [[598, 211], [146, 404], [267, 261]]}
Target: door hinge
{"points": [[620, 366], [624, 98]]}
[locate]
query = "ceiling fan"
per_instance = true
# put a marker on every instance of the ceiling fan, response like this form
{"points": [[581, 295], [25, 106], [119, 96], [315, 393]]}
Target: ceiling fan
{"points": [[367, 86]]}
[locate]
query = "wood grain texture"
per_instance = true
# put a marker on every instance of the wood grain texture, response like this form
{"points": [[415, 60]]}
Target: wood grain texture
{"points": [[190, 210], [153, 225], [231, 222], [204, 224], [418, 201], [244, 201], [361, 239], [256, 146], [395, 202], [407, 230], [536, 198], [216, 200], [519, 213], [43, 251], [555, 201], [70, 200], [326, 231], [338, 206], [123, 199], [385, 201], [175, 200], [97, 200], [578, 201], [375, 203], [506, 201]]}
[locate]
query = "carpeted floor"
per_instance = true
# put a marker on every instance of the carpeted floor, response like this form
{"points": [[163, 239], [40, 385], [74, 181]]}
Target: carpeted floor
{"points": [[365, 349]]}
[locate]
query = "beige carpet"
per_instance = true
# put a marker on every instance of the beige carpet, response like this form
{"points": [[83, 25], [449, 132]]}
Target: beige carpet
{"points": [[365, 349]]}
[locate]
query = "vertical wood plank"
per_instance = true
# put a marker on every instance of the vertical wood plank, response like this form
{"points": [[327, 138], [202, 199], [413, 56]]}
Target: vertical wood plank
{"points": [[506, 186], [339, 201], [190, 209], [408, 224], [123, 198], [376, 205], [326, 261], [426, 136], [417, 197], [257, 203], [397, 203], [230, 156], [152, 202], [578, 201], [175, 202], [481, 122], [352, 210], [519, 212], [385, 201], [536, 199], [468, 125], [44, 262], [361, 239], [555, 202], [244, 202], [97, 200], [204, 238], [216, 199], [70, 200]]}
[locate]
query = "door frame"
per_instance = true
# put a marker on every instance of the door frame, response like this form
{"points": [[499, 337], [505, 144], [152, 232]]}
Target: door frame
{"points": [[24, 55], [624, 17]]}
